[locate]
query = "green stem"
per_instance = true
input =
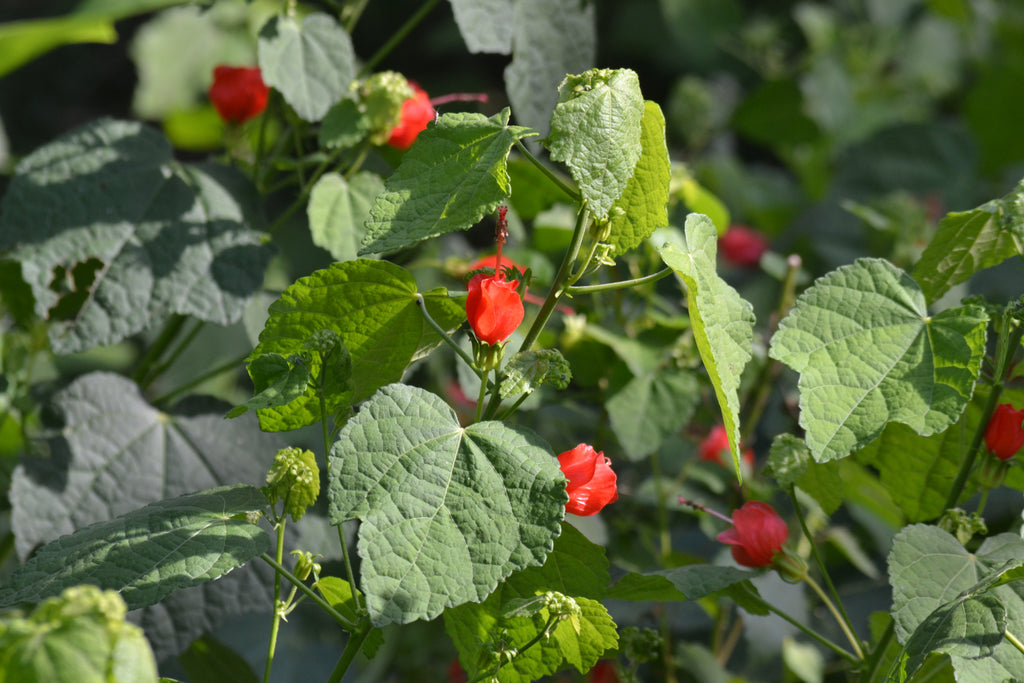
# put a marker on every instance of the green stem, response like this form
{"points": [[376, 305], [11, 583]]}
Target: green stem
{"points": [[850, 635], [396, 38], [310, 593], [552, 621], [845, 620], [444, 335], [223, 367], [175, 354], [665, 550], [352, 15], [842, 652], [307, 188], [352, 648], [1006, 346], [573, 194], [1014, 641], [483, 389], [513, 408], [557, 289], [276, 623], [623, 284], [166, 337], [878, 654]]}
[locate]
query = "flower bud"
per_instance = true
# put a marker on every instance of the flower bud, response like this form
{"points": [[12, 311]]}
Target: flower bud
{"points": [[757, 534], [592, 483], [417, 112], [742, 246], [294, 478], [1004, 435], [238, 93]]}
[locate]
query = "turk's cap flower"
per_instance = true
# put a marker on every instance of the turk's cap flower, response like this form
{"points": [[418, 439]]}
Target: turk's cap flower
{"points": [[742, 246], [494, 307], [1004, 435], [416, 113], [591, 484], [757, 534], [715, 448], [238, 93]]}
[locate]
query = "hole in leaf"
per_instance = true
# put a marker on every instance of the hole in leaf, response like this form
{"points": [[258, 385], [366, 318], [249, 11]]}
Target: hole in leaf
{"points": [[73, 286]]}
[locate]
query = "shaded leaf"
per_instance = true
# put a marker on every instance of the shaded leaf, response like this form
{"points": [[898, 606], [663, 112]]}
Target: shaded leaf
{"points": [[372, 307], [652, 407], [338, 209], [526, 371], [207, 660], [454, 175], [477, 20], [340, 595], [596, 130], [149, 553], [311, 64], [447, 512], [113, 235], [868, 354], [723, 322]]}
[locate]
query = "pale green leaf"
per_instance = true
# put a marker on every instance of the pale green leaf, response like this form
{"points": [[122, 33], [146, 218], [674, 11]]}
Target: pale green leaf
{"points": [[596, 130], [542, 56], [447, 513], [311, 64], [79, 637], [643, 206], [341, 597], [147, 554], [372, 307], [454, 175], [652, 407], [477, 20], [527, 370], [792, 465], [723, 322], [338, 209], [868, 354], [970, 241], [575, 568], [113, 235], [23, 41], [936, 583]]}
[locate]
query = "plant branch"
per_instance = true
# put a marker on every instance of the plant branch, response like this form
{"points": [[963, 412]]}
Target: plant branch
{"points": [[573, 194], [842, 652], [623, 284], [352, 648], [310, 593], [847, 631], [223, 367], [422, 304]]}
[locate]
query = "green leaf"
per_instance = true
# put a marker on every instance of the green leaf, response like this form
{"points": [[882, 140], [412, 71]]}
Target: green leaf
{"points": [[453, 176], [526, 371], [868, 354], [543, 56], [372, 307], [970, 241], [79, 637], [447, 512], [277, 381], [23, 41], [340, 595], [688, 583], [208, 660], [697, 198], [113, 235], [792, 465], [311, 64], [596, 130], [643, 206], [652, 407], [723, 322], [151, 552], [576, 568], [338, 210], [477, 20], [936, 606], [344, 126]]}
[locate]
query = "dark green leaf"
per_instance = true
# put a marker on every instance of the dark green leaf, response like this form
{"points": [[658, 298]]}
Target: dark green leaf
{"points": [[344, 126], [311, 64], [208, 660], [596, 130], [868, 354], [652, 407], [452, 177], [151, 552], [447, 512]]}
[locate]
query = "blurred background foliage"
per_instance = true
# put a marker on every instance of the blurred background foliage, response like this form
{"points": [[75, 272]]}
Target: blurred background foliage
{"points": [[838, 129]]}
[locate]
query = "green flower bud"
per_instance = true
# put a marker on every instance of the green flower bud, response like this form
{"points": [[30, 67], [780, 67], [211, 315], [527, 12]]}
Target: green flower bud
{"points": [[306, 564], [294, 478], [381, 96]]}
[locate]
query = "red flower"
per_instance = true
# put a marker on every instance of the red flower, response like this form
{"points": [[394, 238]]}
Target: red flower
{"points": [[591, 483], [417, 112], [603, 672], [1004, 435], [238, 93], [455, 672], [742, 246], [494, 307], [757, 534], [716, 443]]}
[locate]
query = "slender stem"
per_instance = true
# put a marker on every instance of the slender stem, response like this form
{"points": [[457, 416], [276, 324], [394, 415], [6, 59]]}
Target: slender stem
{"points": [[352, 15], [1006, 346], [398, 36], [483, 389], [175, 354], [573, 194], [1014, 641], [170, 330], [821, 564], [444, 335], [223, 367], [552, 621], [850, 636], [276, 623], [513, 408], [878, 654], [556, 287], [309, 592], [726, 649], [623, 284], [352, 648], [842, 652]]}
